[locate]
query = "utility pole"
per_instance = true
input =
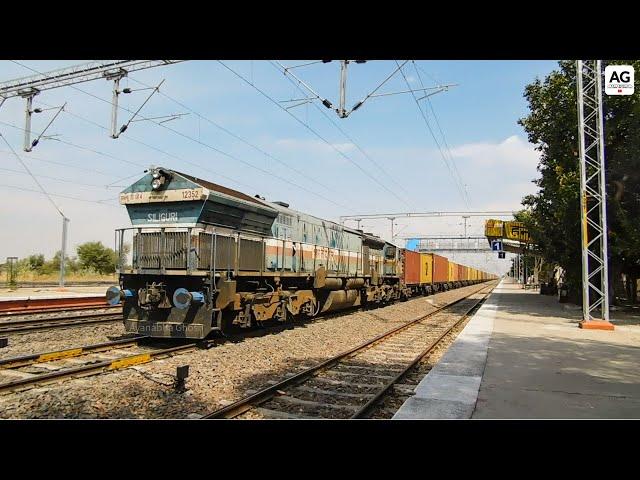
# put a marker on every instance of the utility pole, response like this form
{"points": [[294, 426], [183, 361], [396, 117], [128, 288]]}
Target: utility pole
{"points": [[342, 113], [116, 76], [392, 220], [63, 251], [28, 87], [27, 122], [593, 197], [465, 218]]}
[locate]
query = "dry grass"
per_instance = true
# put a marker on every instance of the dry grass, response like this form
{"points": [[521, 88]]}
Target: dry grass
{"points": [[69, 277]]}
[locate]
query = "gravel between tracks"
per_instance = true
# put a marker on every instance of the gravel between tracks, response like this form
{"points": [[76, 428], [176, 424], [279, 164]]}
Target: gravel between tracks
{"points": [[217, 377], [38, 341]]}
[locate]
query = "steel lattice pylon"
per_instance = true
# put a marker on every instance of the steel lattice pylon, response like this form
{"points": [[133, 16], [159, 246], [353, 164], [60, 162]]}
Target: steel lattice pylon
{"points": [[593, 201]]}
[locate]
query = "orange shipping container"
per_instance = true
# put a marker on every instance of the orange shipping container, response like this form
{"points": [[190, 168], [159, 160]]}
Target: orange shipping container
{"points": [[440, 269], [411, 267], [461, 272]]}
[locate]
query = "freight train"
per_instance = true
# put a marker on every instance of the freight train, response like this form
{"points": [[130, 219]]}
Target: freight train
{"points": [[200, 258]]}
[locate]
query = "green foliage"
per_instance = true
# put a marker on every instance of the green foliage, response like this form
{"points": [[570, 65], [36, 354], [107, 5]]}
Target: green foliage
{"points": [[97, 257], [36, 262], [553, 213], [93, 257]]}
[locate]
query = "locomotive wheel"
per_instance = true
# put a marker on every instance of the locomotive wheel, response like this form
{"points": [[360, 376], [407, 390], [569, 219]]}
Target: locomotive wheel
{"points": [[288, 319]]}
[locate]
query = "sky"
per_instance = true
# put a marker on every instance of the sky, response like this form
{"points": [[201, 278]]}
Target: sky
{"points": [[382, 158]]}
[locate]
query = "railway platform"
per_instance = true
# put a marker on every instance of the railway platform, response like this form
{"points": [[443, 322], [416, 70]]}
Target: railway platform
{"points": [[7, 294], [522, 355]]}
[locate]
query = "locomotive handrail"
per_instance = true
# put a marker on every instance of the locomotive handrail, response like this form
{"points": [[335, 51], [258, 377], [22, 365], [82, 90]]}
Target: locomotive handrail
{"points": [[322, 255]]}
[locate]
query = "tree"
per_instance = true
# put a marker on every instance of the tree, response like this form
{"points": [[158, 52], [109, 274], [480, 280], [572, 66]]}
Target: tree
{"points": [[126, 250], [95, 256], [36, 262], [554, 211]]}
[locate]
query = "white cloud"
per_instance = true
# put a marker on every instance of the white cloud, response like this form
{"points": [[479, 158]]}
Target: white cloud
{"points": [[511, 152]]}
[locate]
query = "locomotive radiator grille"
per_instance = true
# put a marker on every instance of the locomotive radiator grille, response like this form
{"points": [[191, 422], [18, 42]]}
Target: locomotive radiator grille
{"points": [[156, 250]]}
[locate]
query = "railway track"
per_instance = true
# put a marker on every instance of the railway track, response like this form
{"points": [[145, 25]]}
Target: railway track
{"points": [[45, 323], [21, 373], [36, 311], [353, 383], [40, 314]]}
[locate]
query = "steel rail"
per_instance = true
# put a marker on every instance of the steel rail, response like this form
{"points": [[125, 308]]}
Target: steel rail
{"points": [[29, 325], [25, 360], [383, 391], [98, 367], [245, 404], [17, 313]]}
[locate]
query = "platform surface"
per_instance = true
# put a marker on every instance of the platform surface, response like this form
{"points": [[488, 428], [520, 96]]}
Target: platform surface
{"points": [[523, 356], [52, 292]]}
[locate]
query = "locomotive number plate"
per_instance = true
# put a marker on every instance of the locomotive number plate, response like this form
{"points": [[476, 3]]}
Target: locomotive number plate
{"points": [[181, 195]]}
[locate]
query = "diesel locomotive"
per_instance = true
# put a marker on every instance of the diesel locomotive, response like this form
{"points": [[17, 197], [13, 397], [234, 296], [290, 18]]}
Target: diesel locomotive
{"points": [[200, 257]]}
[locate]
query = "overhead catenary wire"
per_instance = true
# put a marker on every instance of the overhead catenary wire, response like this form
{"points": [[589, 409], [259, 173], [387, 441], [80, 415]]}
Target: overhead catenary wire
{"points": [[99, 202], [444, 138], [79, 184], [275, 102], [129, 137], [168, 154], [53, 162], [346, 135], [124, 178], [361, 102], [243, 140], [24, 165], [35, 142], [444, 158], [217, 150], [126, 125], [449, 163], [81, 147]]}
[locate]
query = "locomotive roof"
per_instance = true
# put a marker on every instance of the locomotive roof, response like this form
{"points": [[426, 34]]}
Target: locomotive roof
{"points": [[257, 202], [219, 188], [275, 205]]}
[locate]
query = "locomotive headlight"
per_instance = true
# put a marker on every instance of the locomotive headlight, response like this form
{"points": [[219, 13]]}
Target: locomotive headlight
{"points": [[157, 183]]}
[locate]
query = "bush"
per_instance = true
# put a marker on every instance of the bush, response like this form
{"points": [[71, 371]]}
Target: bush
{"points": [[95, 256]]}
